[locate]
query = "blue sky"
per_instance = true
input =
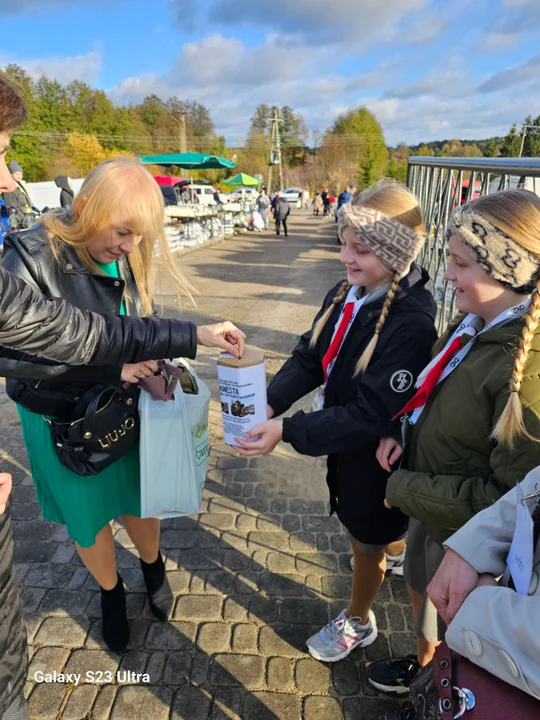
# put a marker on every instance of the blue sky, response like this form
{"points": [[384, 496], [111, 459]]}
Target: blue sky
{"points": [[429, 69]]}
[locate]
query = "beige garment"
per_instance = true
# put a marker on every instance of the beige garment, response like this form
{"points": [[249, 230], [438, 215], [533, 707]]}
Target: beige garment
{"points": [[495, 627]]}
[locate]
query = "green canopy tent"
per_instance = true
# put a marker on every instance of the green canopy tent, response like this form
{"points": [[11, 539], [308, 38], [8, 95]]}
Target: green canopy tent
{"points": [[242, 179], [189, 161]]}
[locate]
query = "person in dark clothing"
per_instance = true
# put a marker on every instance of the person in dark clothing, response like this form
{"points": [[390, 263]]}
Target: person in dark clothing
{"points": [[369, 341], [345, 197], [282, 210], [30, 324], [169, 195], [325, 195], [66, 191]]}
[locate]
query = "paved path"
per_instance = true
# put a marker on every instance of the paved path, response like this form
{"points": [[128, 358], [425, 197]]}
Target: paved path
{"points": [[259, 570]]}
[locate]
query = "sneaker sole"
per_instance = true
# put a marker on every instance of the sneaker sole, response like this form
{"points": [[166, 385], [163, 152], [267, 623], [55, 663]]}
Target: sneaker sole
{"points": [[389, 689], [363, 643]]}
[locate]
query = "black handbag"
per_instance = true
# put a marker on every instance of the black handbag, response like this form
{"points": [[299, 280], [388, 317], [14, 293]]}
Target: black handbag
{"points": [[106, 426]]}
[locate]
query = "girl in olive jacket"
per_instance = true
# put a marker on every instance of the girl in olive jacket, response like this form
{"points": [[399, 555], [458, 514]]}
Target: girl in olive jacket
{"points": [[475, 435], [368, 342]]}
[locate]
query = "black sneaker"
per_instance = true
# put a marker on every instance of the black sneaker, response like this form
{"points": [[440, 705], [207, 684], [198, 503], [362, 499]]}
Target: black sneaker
{"points": [[393, 675], [403, 713]]}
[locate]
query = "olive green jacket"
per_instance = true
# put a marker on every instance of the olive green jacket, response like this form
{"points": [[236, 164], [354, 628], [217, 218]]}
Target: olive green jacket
{"points": [[454, 468]]}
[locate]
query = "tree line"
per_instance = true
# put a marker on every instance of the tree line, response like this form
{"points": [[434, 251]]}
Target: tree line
{"points": [[73, 127]]}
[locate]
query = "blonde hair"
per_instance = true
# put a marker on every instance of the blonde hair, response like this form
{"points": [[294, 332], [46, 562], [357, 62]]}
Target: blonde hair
{"points": [[120, 186], [516, 213], [397, 202]]}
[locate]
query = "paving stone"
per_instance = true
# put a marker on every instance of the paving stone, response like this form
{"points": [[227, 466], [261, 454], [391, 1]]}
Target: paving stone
{"points": [[322, 542], [238, 670], [196, 586], [24, 511], [208, 537], [247, 582], [236, 560], [280, 674], [79, 578], [134, 661], [199, 668], [219, 521], [309, 507], [313, 676], [177, 668], [245, 638], [247, 490], [80, 702], [282, 585], [281, 563], [279, 506], [226, 463], [227, 704], [200, 559], [285, 640], [233, 490], [48, 576], [245, 523], [156, 663], [142, 701], [268, 541], [380, 615], [33, 551], [96, 661], [46, 659], [219, 582], [223, 505], [62, 631], [259, 505], [178, 580], [269, 523], [68, 603], [265, 610], [378, 650], [304, 611], [45, 700], [198, 607], [290, 523], [337, 586], [316, 563], [234, 540], [191, 704], [317, 707], [399, 590], [402, 644], [104, 702], [366, 709], [269, 706], [233, 611], [259, 560], [340, 543], [31, 598], [33, 623], [214, 637], [316, 523], [183, 539], [302, 541], [171, 636], [345, 677]]}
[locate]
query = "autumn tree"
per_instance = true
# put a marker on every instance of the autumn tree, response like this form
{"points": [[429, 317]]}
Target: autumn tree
{"points": [[511, 143]]}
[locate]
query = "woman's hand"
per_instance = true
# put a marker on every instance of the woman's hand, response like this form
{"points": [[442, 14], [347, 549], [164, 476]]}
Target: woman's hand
{"points": [[224, 335], [388, 452], [5, 489], [271, 433], [134, 373], [453, 582]]}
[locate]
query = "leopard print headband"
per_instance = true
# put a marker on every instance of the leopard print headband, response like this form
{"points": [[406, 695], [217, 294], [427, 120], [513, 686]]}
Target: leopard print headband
{"points": [[501, 257], [393, 243]]}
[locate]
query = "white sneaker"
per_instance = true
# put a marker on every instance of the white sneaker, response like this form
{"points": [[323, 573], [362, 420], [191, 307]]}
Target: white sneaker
{"points": [[335, 641], [394, 565]]}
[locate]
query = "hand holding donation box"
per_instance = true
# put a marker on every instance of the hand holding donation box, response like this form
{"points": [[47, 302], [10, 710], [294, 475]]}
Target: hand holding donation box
{"points": [[242, 389]]}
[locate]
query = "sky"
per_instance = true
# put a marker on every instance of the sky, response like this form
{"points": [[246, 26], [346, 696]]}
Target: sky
{"points": [[428, 69]]}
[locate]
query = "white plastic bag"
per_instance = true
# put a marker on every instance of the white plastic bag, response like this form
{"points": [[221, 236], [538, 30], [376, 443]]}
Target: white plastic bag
{"points": [[174, 451]]}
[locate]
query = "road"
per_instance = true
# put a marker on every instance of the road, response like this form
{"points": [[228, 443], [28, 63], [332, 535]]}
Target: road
{"points": [[259, 570]]}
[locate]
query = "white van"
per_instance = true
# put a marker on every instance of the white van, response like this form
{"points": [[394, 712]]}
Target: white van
{"points": [[513, 182], [205, 193]]}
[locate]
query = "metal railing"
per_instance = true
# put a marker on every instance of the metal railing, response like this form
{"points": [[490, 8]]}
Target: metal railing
{"points": [[440, 184]]}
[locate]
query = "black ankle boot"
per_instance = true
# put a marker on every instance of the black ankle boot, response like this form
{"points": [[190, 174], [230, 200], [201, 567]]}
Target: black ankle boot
{"points": [[114, 618], [159, 591]]}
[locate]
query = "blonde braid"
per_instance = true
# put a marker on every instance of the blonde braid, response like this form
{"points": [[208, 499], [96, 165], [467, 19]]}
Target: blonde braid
{"points": [[366, 356], [321, 322], [510, 423]]}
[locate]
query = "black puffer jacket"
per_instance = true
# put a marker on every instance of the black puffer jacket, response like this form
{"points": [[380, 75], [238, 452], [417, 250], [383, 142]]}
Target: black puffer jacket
{"points": [[358, 410], [64, 334], [50, 388]]}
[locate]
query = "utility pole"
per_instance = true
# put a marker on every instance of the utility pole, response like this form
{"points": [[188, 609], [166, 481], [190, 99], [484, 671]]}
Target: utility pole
{"points": [[532, 130], [275, 151], [182, 132]]}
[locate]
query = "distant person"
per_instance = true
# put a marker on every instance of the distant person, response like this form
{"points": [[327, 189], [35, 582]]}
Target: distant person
{"points": [[17, 201], [263, 205], [345, 197], [282, 210], [256, 222], [317, 204], [325, 195], [66, 191], [304, 199], [217, 197]]}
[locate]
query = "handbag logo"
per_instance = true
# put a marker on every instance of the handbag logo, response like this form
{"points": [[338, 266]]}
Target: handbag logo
{"points": [[115, 435]]}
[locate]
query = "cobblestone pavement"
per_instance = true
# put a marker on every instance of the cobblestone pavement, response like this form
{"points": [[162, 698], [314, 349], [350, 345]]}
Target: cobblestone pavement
{"points": [[259, 570]]}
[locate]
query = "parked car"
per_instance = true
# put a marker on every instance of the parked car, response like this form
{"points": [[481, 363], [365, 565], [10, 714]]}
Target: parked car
{"points": [[246, 193], [205, 193], [292, 194]]}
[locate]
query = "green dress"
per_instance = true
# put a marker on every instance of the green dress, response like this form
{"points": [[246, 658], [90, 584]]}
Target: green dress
{"points": [[84, 504]]}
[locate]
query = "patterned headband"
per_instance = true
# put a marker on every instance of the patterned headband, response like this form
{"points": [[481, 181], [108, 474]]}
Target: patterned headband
{"points": [[502, 258], [393, 243]]}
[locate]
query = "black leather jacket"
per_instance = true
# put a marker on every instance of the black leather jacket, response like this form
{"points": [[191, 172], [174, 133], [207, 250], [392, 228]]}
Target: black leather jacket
{"points": [[51, 388]]}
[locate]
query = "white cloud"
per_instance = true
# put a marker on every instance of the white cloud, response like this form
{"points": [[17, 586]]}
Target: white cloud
{"points": [[449, 80], [85, 67], [11, 8], [526, 75], [516, 19]]}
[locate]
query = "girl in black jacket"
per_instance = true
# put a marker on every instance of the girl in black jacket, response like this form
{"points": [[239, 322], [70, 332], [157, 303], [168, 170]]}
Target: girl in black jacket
{"points": [[371, 338]]}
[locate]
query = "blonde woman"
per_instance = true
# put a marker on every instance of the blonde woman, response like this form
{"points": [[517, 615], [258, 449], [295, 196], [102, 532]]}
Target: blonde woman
{"points": [[475, 435], [371, 337], [98, 256]]}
